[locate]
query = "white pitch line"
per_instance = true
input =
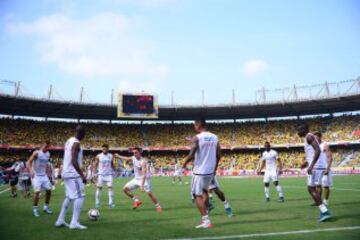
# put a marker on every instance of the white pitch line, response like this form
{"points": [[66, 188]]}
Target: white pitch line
{"points": [[4, 190], [333, 188], [273, 233]]}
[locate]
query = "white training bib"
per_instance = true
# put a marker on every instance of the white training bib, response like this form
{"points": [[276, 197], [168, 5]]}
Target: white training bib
{"points": [[105, 164], [205, 156], [310, 152], [270, 158], [68, 170]]}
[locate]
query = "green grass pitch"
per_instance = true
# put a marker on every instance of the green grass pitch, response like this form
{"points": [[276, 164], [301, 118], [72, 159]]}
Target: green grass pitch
{"points": [[179, 216]]}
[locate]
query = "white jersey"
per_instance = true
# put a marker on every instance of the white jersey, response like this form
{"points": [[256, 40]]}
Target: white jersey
{"points": [[40, 163], [177, 167], [105, 164], [137, 164], [270, 158], [68, 170], [205, 156], [310, 152], [322, 148]]}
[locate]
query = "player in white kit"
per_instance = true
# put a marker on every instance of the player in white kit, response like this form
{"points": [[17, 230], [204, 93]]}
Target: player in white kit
{"points": [[104, 168], [316, 165], [269, 160], [73, 179], [38, 164], [205, 153], [327, 179], [178, 172], [141, 180]]}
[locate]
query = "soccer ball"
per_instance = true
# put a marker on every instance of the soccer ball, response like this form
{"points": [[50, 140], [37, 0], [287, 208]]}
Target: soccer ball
{"points": [[186, 183], [93, 214]]}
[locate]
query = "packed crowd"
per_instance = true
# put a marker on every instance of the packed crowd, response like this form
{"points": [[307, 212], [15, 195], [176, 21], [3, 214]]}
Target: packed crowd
{"points": [[29, 132]]}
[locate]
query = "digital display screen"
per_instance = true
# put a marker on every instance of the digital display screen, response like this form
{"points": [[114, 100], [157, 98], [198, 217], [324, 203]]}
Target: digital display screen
{"points": [[133, 104], [139, 106]]}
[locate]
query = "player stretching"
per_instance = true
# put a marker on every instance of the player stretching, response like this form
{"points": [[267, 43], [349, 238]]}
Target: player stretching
{"points": [[104, 165], [74, 180], [269, 158], [141, 179], [177, 172], [206, 153], [316, 164], [326, 181], [215, 187], [38, 164]]}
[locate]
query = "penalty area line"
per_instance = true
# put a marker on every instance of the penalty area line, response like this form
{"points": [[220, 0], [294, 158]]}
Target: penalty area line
{"points": [[273, 233]]}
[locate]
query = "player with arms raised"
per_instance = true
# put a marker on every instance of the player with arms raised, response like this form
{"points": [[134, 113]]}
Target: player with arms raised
{"points": [[316, 165], [268, 160], [205, 153], [104, 166], [141, 180], [39, 164], [74, 180]]}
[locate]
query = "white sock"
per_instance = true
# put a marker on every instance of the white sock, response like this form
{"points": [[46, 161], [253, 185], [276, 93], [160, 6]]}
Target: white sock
{"points": [[157, 205], [267, 192], [325, 201], [64, 208], [226, 204], [97, 196], [279, 189], [323, 208], [135, 199], [78, 203], [206, 219], [111, 194], [46, 206]]}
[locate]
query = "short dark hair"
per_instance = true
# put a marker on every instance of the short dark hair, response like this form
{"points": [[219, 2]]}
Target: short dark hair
{"points": [[267, 142], [105, 145], [201, 121], [318, 134], [302, 127], [138, 149]]}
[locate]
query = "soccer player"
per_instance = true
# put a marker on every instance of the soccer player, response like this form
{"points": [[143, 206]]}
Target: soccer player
{"points": [[74, 180], [13, 173], [38, 164], [205, 153], [104, 167], [141, 179], [268, 160], [326, 181], [24, 178], [177, 172], [316, 165], [215, 187]]}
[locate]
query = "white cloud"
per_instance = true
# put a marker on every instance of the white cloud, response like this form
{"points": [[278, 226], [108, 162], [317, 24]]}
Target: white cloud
{"points": [[101, 46], [254, 67]]}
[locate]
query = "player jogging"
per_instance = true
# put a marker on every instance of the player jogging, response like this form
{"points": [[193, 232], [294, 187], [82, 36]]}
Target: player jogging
{"points": [[268, 160], [327, 179], [141, 179], [104, 167], [316, 165], [73, 179], [38, 164], [205, 153]]}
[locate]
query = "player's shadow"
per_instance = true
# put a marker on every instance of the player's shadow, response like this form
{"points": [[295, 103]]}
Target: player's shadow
{"points": [[345, 203]]}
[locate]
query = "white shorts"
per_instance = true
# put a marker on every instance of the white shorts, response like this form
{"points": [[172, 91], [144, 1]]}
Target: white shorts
{"points": [[108, 179], [214, 184], [41, 183], [136, 183], [273, 175], [200, 184], [74, 188], [178, 173], [327, 180], [315, 179]]}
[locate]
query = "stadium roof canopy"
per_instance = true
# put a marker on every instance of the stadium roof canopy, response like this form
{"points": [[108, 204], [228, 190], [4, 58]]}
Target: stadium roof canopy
{"points": [[23, 106]]}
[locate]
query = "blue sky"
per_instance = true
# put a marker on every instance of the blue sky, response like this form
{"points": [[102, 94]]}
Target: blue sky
{"points": [[183, 46]]}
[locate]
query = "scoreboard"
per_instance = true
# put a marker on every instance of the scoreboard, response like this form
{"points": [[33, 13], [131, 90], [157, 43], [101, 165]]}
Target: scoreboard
{"points": [[137, 106]]}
